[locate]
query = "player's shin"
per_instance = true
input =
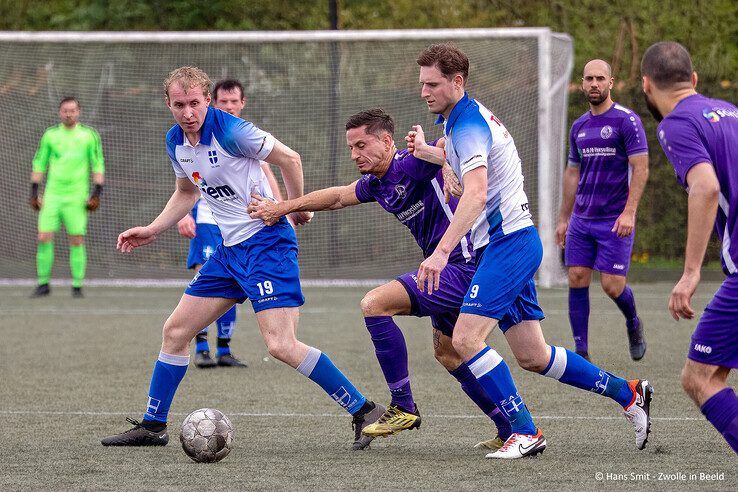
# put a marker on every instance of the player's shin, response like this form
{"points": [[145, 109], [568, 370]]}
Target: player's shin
{"points": [[494, 376], [44, 261], [579, 317], [574, 370], [721, 410], [226, 323], [319, 368], [391, 351], [77, 263], [168, 373], [474, 390]]}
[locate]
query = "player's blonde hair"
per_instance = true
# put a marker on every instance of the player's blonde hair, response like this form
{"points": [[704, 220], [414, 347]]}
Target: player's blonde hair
{"points": [[188, 77]]}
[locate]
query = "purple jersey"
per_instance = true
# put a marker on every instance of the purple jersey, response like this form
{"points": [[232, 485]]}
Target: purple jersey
{"points": [[600, 147], [700, 130], [412, 190]]}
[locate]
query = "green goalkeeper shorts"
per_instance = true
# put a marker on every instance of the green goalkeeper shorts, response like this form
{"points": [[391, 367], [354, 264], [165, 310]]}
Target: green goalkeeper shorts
{"points": [[71, 211]]}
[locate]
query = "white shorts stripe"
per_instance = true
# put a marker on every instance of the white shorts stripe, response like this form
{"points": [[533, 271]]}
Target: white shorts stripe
{"points": [[559, 363], [485, 363], [309, 362]]}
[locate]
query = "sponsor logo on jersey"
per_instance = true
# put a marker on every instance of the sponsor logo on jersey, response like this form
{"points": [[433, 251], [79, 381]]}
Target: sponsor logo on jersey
{"points": [[186, 160], [606, 132], [705, 349], [716, 114], [411, 212], [222, 192]]}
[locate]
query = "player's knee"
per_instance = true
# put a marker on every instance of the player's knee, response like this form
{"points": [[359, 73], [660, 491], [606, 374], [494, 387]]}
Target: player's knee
{"points": [[280, 349], [371, 306], [174, 335], [692, 382], [76, 240], [578, 278], [45, 237], [448, 357], [612, 289], [463, 343]]}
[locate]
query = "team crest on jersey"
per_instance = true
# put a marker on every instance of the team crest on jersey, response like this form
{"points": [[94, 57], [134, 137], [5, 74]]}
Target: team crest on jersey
{"points": [[401, 191], [213, 156], [606, 131], [711, 116]]}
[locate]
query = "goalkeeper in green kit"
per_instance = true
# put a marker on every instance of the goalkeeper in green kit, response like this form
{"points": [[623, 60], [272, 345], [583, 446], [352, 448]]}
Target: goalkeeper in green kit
{"points": [[67, 153]]}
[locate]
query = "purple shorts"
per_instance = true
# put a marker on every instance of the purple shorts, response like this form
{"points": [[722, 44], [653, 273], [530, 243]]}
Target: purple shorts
{"points": [[591, 243], [715, 340], [443, 306]]}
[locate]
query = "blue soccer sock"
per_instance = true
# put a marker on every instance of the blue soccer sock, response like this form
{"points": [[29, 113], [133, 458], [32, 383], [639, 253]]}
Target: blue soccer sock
{"points": [[226, 324], [168, 373], [201, 340], [319, 368], [579, 317], [574, 370], [474, 390], [494, 376], [626, 303]]}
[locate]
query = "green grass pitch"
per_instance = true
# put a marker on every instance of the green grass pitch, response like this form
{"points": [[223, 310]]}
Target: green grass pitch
{"points": [[72, 370]]}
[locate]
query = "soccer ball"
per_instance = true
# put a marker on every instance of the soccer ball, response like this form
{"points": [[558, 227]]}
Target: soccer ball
{"points": [[207, 435]]}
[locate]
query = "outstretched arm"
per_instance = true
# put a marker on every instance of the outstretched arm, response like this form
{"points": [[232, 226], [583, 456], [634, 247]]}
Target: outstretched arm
{"points": [[180, 203], [334, 198]]}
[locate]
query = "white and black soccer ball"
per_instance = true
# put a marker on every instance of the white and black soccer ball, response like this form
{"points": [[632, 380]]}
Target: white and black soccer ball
{"points": [[207, 435]]}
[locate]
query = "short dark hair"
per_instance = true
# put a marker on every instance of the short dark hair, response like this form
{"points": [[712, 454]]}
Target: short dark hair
{"points": [[667, 64], [449, 59], [228, 85], [67, 99], [376, 121]]}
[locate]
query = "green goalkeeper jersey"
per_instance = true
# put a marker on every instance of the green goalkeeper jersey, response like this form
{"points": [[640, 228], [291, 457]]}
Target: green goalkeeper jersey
{"points": [[68, 156]]}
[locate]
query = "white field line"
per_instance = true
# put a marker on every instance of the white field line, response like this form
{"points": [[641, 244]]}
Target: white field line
{"points": [[72, 413]]}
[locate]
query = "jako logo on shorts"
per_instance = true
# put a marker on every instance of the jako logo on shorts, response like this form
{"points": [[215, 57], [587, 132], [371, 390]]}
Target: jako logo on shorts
{"points": [[705, 349]]}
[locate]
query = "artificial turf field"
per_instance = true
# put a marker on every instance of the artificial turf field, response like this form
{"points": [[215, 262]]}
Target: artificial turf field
{"points": [[72, 370]]}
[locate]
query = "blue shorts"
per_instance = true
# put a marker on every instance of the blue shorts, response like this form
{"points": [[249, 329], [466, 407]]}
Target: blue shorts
{"points": [[503, 287], [443, 305], [591, 243], [262, 268], [715, 340], [207, 238]]}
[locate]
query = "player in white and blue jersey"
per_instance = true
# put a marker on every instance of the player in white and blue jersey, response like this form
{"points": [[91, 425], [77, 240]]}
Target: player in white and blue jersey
{"points": [[202, 229], [494, 206], [217, 156]]}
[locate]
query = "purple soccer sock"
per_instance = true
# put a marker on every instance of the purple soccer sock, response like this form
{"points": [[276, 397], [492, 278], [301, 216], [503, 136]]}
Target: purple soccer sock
{"points": [[389, 345], [579, 317], [721, 410], [470, 385], [627, 305]]}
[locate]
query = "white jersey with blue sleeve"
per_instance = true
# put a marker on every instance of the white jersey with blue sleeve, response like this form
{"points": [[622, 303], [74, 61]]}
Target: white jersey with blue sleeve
{"points": [[474, 138], [225, 166]]}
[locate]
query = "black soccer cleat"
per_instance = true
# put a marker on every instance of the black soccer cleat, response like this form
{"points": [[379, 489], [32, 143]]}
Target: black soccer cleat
{"points": [[42, 290], [77, 292], [203, 360], [227, 360], [139, 435], [637, 341], [361, 419], [584, 354]]}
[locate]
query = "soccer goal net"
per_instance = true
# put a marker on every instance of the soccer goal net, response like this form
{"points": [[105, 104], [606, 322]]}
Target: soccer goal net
{"points": [[301, 86]]}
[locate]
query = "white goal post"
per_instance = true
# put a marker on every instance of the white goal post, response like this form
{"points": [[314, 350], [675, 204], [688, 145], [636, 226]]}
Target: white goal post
{"points": [[301, 86]]}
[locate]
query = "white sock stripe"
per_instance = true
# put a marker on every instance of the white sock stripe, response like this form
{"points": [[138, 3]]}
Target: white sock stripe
{"points": [[308, 363], [559, 363], [485, 363], [174, 360]]}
